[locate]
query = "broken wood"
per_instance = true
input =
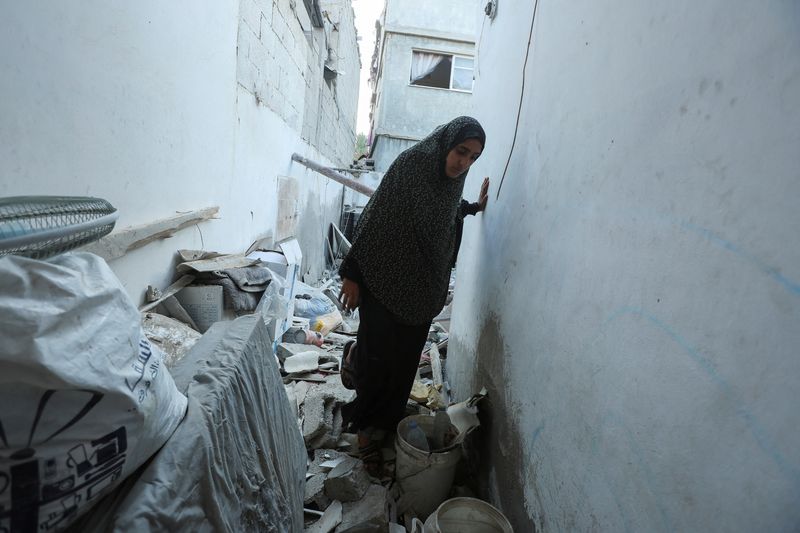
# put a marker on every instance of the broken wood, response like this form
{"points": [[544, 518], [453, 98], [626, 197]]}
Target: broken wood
{"points": [[121, 242], [168, 292]]}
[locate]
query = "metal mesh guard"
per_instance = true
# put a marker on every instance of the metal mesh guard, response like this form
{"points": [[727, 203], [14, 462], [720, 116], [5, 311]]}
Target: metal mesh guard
{"points": [[43, 226]]}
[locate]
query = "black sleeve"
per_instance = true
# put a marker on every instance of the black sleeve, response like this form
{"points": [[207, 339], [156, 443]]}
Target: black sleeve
{"points": [[350, 270], [465, 208]]}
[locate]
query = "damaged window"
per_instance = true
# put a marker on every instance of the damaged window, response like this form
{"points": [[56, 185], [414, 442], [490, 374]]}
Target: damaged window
{"points": [[444, 71]]}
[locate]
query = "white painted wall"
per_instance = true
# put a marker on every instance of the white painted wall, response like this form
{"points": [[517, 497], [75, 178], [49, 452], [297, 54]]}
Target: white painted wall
{"points": [[632, 298], [147, 105]]}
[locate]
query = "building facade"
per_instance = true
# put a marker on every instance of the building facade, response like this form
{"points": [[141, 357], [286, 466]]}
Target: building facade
{"points": [[421, 73]]}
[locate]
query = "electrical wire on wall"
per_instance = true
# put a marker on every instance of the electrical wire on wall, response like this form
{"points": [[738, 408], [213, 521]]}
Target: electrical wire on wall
{"points": [[521, 98]]}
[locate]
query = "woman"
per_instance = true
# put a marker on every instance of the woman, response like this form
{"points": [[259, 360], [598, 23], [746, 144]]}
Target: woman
{"points": [[398, 272]]}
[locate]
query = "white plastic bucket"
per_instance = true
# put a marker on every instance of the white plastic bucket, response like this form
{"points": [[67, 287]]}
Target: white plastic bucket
{"points": [[424, 477], [467, 515]]}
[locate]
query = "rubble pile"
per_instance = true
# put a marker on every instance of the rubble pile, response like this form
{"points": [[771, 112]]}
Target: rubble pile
{"points": [[310, 329]]}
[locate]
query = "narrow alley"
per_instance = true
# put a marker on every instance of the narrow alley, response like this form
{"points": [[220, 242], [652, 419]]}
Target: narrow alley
{"points": [[234, 236]]}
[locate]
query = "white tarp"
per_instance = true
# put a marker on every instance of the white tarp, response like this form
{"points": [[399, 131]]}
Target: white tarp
{"points": [[236, 463], [86, 399]]}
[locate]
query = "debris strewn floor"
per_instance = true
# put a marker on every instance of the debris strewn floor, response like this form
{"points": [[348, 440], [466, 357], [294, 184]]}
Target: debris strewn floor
{"points": [[312, 330]]}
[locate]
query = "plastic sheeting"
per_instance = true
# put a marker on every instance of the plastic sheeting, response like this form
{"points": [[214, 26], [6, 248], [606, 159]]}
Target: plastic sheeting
{"points": [[236, 463]]}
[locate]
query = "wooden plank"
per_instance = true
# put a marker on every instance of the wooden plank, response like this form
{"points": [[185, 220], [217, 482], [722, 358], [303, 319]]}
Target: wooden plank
{"points": [[121, 242]]}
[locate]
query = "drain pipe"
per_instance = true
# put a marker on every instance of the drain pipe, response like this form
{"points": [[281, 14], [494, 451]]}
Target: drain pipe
{"points": [[335, 176]]}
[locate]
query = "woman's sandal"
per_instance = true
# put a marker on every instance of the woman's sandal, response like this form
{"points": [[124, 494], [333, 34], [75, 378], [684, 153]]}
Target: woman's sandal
{"points": [[348, 373]]}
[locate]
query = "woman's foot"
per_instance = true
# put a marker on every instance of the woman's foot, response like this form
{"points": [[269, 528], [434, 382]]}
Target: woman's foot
{"points": [[369, 451]]}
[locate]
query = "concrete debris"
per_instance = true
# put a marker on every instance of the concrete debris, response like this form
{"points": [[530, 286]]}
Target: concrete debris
{"points": [[324, 456], [366, 514], [302, 362], [339, 339], [291, 395], [323, 403], [327, 439], [333, 388], [300, 391], [313, 419], [331, 464], [330, 519], [288, 349], [311, 377], [348, 481], [315, 492], [173, 337]]}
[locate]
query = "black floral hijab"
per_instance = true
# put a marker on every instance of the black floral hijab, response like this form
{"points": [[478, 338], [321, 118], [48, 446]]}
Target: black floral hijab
{"points": [[404, 242]]}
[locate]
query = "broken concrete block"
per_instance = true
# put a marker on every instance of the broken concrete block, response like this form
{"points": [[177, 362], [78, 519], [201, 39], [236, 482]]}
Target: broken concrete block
{"points": [[315, 491], [325, 440], [348, 481], [367, 514], [330, 519], [333, 388], [313, 420], [290, 394], [288, 349], [300, 391], [323, 456], [301, 362]]}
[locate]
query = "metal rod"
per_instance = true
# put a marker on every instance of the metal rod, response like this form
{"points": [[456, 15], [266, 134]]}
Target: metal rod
{"points": [[335, 176]]}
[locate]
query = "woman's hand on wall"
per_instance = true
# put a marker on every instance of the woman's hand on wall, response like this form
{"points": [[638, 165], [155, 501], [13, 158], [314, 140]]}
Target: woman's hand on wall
{"points": [[350, 295], [483, 197]]}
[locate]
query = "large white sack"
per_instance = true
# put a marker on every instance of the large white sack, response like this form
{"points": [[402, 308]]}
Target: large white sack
{"points": [[84, 397]]}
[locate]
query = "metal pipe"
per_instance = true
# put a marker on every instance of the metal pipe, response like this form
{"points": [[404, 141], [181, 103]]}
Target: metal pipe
{"points": [[335, 176]]}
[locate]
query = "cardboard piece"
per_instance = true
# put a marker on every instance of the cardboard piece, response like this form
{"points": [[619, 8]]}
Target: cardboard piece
{"points": [[204, 304]]}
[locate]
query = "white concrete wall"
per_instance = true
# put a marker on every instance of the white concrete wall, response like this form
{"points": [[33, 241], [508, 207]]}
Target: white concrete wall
{"points": [[632, 298], [149, 106]]}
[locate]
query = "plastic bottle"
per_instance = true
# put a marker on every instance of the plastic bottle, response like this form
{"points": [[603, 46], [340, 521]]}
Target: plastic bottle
{"points": [[314, 337], [416, 437]]}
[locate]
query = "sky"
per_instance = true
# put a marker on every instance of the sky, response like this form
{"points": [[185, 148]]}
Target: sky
{"points": [[367, 12]]}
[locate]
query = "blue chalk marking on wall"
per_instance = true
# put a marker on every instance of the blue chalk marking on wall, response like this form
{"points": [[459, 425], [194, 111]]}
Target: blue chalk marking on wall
{"points": [[790, 472], [772, 272], [536, 433], [573, 209]]}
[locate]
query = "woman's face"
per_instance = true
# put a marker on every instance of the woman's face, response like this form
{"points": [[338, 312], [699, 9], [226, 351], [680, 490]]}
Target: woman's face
{"points": [[460, 158]]}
